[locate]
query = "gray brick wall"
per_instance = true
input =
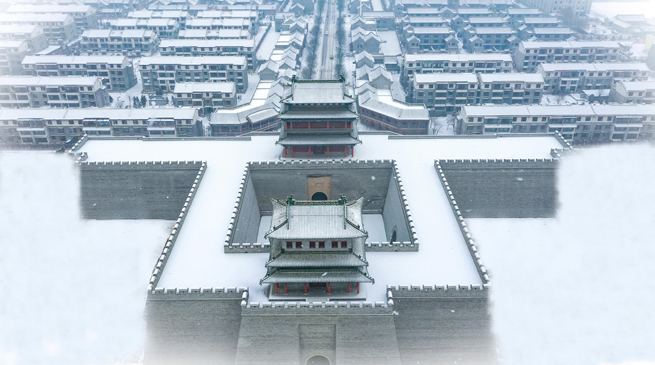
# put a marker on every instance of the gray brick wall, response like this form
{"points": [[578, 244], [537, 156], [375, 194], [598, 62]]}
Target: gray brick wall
{"points": [[503, 188], [143, 191]]}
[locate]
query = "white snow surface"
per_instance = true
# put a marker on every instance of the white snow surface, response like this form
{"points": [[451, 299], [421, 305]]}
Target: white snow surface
{"points": [[612, 9], [198, 259], [268, 44], [73, 290], [377, 5], [578, 289], [390, 45]]}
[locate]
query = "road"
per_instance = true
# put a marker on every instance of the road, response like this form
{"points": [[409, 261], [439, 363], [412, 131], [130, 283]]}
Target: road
{"points": [[328, 53]]}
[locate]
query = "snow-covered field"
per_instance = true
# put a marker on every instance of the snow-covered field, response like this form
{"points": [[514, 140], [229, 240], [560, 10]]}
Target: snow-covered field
{"points": [[199, 261], [578, 289], [390, 45], [611, 9], [73, 291]]}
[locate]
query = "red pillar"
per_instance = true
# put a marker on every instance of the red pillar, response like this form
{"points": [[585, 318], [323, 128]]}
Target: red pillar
{"points": [[285, 289], [349, 288], [345, 151], [277, 286], [329, 288], [285, 152], [305, 288], [310, 151], [328, 150], [357, 288], [352, 151], [291, 152]]}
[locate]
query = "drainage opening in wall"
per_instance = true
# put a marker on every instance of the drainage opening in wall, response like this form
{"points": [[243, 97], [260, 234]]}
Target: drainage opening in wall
{"points": [[318, 360]]}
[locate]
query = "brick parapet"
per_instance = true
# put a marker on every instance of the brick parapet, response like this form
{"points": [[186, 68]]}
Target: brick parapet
{"points": [[470, 244], [524, 163], [229, 246], [78, 144], [317, 308], [172, 238], [438, 291], [118, 165], [229, 293]]}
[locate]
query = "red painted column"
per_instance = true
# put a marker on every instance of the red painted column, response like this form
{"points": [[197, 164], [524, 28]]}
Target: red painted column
{"points": [[310, 151], [291, 152], [329, 288], [352, 151], [285, 289], [305, 288], [357, 288], [277, 286], [349, 288], [345, 151], [328, 150], [285, 152]]}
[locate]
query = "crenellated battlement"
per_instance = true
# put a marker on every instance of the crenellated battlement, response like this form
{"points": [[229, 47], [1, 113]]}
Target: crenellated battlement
{"points": [[143, 164], [391, 246], [228, 293], [534, 163], [439, 291], [470, 244], [247, 247], [172, 238], [563, 141], [406, 211], [317, 308], [78, 144], [336, 163]]}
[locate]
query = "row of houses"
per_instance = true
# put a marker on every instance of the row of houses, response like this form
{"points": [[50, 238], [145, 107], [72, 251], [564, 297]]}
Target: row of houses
{"points": [[56, 126], [52, 91], [580, 124], [449, 92]]}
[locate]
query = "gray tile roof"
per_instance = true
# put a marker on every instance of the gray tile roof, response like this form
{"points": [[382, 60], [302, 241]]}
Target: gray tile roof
{"points": [[316, 259], [317, 276]]}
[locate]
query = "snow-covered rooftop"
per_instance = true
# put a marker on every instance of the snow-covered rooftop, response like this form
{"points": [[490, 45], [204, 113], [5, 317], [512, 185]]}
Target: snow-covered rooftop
{"points": [[446, 77], [216, 87], [198, 259], [206, 42], [50, 80], [548, 67], [511, 76], [200, 60], [458, 57], [570, 44], [63, 59]]}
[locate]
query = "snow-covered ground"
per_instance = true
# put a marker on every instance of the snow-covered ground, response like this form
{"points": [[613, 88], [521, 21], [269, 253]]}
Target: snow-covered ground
{"points": [[253, 81], [612, 9], [578, 289], [568, 99], [268, 44], [397, 90], [442, 126], [73, 290], [390, 45], [377, 5], [124, 99], [198, 259]]}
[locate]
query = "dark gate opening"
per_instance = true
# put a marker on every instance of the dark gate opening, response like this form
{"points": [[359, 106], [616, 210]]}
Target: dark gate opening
{"points": [[319, 196]]}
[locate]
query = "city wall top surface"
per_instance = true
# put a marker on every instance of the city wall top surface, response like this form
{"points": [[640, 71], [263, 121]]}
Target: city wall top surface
{"points": [[199, 260]]}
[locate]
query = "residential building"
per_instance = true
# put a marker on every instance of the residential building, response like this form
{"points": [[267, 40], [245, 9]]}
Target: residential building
{"points": [[547, 33], [205, 96], [485, 22], [510, 88], [445, 91], [32, 34], [53, 91], [163, 27], [579, 7], [132, 42], [56, 126], [178, 15], [529, 55], [211, 23], [385, 20], [379, 110], [480, 39], [516, 15], [162, 73], [84, 15], [425, 21], [209, 47], [251, 15], [426, 63], [58, 28], [430, 38], [633, 92], [576, 77], [116, 72], [579, 124], [365, 41], [539, 22], [11, 56], [213, 34]]}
